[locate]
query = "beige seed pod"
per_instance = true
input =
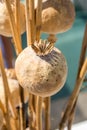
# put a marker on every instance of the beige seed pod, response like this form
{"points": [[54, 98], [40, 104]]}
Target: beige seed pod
{"points": [[10, 73], [57, 15], [44, 74], [5, 28], [14, 89]]}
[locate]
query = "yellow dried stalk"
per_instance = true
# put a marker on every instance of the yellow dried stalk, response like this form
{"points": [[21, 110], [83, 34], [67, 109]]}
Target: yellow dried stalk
{"points": [[15, 32], [30, 21], [8, 100]]}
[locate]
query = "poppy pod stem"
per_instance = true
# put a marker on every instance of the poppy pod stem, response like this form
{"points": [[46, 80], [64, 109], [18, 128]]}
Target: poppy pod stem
{"points": [[39, 113], [47, 112], [30, 21], [13, 27]]}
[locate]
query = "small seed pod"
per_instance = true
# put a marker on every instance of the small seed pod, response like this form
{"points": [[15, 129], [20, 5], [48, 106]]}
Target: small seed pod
{"points": [[42, 70], [5, 28], [57, 15], [14, 88], [10, 73]]}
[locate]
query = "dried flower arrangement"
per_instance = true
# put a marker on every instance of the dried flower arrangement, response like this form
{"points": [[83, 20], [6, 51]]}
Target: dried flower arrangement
{"points": [[40, 69]]}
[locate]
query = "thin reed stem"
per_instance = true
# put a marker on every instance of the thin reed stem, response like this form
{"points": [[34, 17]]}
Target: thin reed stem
{"points": [[6, 114], [13, 27], [30, 22], [47, 113], [39, 113], [17, 19], [8, 99], [74, 95], [38, 19]]}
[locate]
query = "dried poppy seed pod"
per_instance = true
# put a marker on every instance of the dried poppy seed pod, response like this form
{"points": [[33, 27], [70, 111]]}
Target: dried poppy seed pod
{"points": [[43, 74], [57, 15], [5, 28], [14, 88], [10, 73]]}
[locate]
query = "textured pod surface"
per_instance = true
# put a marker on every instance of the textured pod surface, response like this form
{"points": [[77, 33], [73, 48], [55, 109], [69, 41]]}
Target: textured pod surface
{"points": [[57, 15], [42, 75], [14, 89], [5, 28]]}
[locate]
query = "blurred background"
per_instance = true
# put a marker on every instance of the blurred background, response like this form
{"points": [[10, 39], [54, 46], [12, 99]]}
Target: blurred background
{"points": [[70, 44]]}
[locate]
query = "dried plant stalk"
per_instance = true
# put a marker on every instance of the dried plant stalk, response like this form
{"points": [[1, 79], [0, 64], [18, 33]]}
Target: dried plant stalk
{"points": [[39, 99], [39, 113], [82, 58], [17, 19], [31, 123], [71, 116], [83, 51], [33, 108], [13, 27], [30, 27], [38, 19], [22, 120], [74, 95], [7, 119], [2, 106], [47, 113], [6, 114], [30, 21], [7, 95]]}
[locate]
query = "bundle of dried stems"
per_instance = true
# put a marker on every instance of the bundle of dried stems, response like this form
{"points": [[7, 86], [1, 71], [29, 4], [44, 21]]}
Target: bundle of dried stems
{"points": [[17, 120]]}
